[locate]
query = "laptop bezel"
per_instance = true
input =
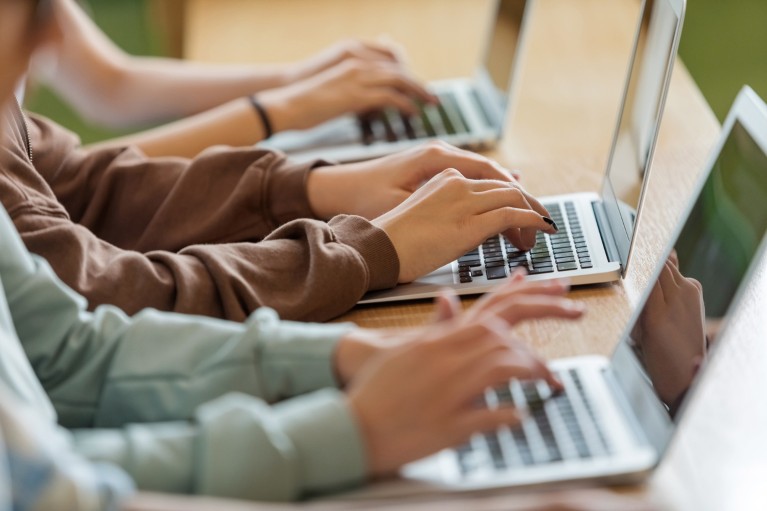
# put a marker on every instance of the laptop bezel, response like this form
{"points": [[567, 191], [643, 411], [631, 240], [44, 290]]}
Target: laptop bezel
{"points": [[751, 113], [499, 111], [624, 242]]}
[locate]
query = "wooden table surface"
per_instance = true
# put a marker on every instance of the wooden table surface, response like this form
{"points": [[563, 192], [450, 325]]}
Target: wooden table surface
{"points": [[561, 124]]}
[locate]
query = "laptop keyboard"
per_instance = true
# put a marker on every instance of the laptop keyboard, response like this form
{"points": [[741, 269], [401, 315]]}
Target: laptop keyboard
{"points": [[558, 428], [565, 251], [390, 125]]}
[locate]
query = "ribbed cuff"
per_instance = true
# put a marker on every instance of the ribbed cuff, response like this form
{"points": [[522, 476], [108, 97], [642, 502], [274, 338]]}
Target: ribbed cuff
{"points": [[373, 244], [286, 197], [327, 441]]}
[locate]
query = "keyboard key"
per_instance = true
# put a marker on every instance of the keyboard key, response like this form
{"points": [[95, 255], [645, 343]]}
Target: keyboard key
{"points": [[567, 266], [465, 279], [540, 270], [495, 264], [496, 272], [476, 273]]}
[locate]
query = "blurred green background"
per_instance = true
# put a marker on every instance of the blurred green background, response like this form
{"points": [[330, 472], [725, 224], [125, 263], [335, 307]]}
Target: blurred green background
{"points": [[724, 45]]}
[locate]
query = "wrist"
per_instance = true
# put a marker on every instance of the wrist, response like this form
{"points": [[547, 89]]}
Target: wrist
{"points": [[279, 109], [352, 352]]}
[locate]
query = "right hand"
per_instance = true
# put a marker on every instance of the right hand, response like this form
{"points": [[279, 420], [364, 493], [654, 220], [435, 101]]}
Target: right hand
{"points": [[419, 397], [450, 215], [351, 86], [516, 301]]}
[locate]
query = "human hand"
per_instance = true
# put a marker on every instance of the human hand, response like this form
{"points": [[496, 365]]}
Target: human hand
{"points": [[341, 51], [513, 302], [371, 188], [450, 215], [419, 397], [670, 334], [353, 85]]}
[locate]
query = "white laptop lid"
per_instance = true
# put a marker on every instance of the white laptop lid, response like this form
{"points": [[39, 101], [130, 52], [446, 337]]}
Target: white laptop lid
{"points": [[649, 76], [666, 345]]}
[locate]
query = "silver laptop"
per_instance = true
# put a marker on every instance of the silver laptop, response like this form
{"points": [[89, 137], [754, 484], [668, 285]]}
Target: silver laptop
{"points": [[616, 417], [595, 230], [471, 113]]}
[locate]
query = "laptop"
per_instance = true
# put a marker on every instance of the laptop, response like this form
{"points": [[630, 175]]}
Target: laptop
{"points": [[595, 230], [616, 417], [471, 113]]}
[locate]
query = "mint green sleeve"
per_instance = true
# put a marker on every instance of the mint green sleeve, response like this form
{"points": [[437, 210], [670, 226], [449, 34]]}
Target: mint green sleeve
{"points": [[203, 390], [238, 446]]}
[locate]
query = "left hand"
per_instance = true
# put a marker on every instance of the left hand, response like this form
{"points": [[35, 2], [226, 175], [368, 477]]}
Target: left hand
{"points": [[374, 187]]}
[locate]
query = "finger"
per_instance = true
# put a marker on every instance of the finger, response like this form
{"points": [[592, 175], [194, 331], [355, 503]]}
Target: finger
{"points": [[446, 306], [525, 308], [535, 204], [542, 369], [480, 420], [382, 97], [514, 236], [696, 283], [496, 195], [517, 286], [476, 166], [393, 76], [502, 219], [666, 283], [674, 258], [528, 235], [490, 369], [676, 275], [382, 49]]}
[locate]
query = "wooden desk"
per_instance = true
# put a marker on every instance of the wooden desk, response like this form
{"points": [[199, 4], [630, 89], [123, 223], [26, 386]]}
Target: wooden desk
{"points": [[569, 90], [560, 131]]}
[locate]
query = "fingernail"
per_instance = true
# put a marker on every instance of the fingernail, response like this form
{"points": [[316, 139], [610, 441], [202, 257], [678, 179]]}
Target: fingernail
{"points": [[550, 222]]}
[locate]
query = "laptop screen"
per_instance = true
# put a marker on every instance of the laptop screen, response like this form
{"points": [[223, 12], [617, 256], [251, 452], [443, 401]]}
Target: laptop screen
{"points": [[669, 342], [502, 52], [639, 120]]}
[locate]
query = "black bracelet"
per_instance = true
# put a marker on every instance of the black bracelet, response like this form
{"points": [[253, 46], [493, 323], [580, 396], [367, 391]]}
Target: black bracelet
{"points": [[259, 108]]}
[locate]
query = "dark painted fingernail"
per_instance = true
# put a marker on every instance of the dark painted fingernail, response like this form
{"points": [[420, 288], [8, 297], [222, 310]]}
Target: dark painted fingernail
{"points": [[550, 222]]}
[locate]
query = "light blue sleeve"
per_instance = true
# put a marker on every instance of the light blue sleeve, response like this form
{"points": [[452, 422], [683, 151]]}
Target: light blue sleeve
{"points": [[39, 470], [157, 366], [176, 374]]}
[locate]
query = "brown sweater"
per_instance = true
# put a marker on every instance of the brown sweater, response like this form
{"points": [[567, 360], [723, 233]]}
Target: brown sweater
{"points": [[219, 235]]}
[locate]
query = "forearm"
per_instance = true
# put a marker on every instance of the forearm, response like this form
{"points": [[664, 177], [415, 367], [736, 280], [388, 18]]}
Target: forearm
{"points": [[152, 90], [144, 204], [108, 369], [239, 447], [234, 123], [113, 88]]}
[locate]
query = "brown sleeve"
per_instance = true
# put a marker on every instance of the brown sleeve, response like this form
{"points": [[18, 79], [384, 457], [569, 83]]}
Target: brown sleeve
{"points": [[139, 203], [306, 269]]}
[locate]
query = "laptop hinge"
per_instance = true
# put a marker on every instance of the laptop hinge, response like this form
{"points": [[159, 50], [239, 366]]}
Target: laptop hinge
{"points": [[611, 249]]}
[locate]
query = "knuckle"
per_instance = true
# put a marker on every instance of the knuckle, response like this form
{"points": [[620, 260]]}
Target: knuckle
{"points": [[434, 147]]}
